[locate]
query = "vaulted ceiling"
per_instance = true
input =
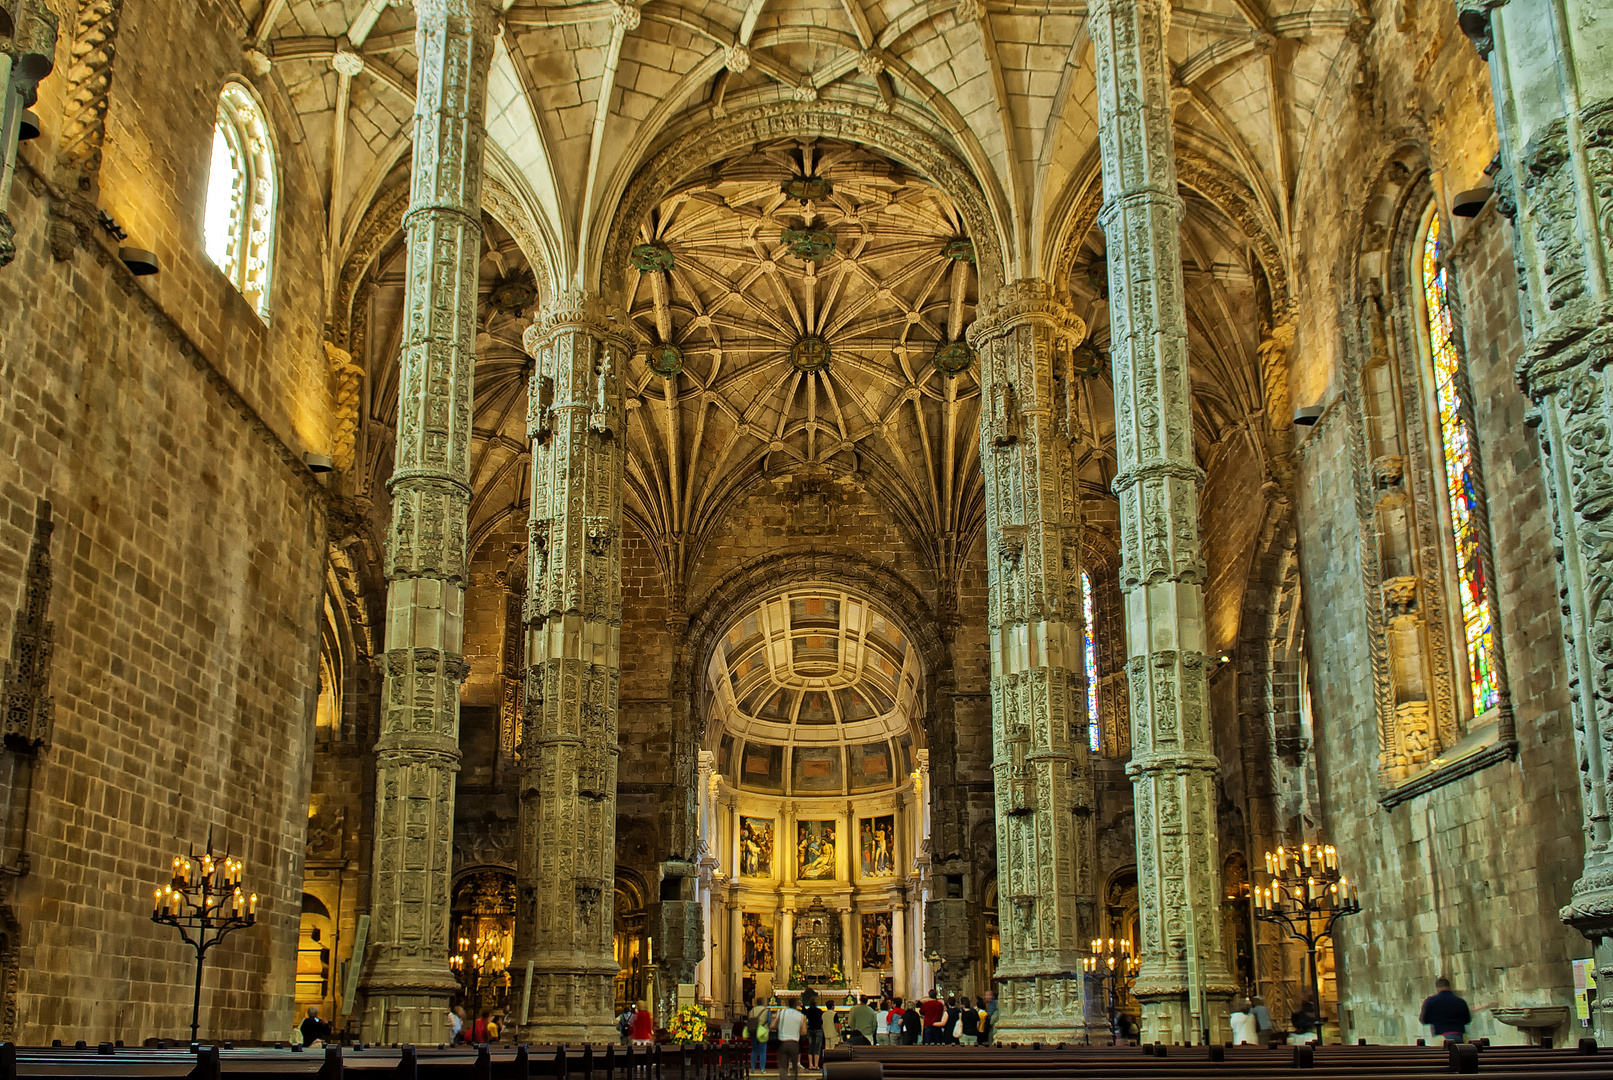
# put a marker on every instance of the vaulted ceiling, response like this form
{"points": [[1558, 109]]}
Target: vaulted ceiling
{"points": [[1002, 88]]}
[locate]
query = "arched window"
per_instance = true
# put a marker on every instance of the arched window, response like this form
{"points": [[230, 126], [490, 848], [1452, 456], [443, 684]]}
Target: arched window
{"points": [[1458, 480], [1090, 648], [238, 228]]}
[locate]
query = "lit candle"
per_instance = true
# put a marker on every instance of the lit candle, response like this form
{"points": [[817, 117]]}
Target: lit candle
{"points": [[252, 905], [1310, 888], [1305, 855], [156, 905], [1282, 860]]}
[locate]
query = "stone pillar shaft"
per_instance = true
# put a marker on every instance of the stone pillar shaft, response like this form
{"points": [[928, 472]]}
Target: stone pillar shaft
{"points": [[417, 753], [1183, 985], [1042, 775], [1554, 103], [567, 837]]}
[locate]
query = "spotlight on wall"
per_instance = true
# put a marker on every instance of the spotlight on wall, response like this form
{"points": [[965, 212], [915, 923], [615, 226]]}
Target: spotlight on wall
{"points": [[318, 463], [1307, 415], [1469, 203], [28, 126], [139, 261]]}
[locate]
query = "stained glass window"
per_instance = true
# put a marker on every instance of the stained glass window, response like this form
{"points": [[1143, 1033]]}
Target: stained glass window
{"points": [[1091, 649], [1461, 493]]}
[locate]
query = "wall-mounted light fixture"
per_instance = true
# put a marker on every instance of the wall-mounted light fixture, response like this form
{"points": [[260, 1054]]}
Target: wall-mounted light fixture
{"points": [[139, 261], [28, 126], [318, 463], [1468, 203], [1307, 415]]}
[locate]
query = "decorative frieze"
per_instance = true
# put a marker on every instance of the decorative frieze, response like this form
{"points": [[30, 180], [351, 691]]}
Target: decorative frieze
{"points": [[409, 983]]}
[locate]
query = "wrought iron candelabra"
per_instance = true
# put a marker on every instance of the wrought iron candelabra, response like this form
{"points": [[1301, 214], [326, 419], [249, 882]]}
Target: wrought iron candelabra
{"points": [[1113, 967], [1306, 895], [204, 901]]}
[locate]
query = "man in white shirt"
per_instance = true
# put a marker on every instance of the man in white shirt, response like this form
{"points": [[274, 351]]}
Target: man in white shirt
{"points": [[790, 1023]]}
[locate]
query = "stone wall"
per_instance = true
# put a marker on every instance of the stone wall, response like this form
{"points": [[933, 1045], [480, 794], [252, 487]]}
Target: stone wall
{"points": [[1464, 880], [164, 421]]}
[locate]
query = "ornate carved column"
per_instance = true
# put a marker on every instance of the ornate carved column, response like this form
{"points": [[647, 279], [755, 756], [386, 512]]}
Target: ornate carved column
{"points": [[567, 858], [1554, 106], [1184, 985], [1043, 778], [900, 964], [417, 753]]}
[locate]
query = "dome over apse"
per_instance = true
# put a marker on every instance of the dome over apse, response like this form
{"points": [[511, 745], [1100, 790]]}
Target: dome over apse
{"points": [[815, 691]]}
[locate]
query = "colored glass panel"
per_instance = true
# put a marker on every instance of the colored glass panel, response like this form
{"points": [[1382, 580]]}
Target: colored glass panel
{"points": [[1461, 493], [1091, 649]]}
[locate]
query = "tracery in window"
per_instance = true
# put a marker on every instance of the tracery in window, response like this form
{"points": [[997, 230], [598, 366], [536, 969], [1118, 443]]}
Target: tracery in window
{"points": [[1478, 631], [1090, 648], [238, 226]]}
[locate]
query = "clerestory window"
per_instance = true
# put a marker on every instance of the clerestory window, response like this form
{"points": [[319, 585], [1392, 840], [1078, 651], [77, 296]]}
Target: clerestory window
{"points": [[242, 190]]}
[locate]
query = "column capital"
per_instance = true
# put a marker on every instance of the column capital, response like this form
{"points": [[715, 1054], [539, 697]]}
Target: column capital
{"points": [[1023, 301], [578, 310]]}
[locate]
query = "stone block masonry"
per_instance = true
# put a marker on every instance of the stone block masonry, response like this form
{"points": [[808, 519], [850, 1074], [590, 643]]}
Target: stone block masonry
{"points": [[188, 553]]}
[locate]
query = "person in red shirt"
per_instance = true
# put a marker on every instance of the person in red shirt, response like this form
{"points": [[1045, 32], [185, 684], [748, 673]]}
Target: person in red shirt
{"points": [[935, 1014], [643, 1025]]}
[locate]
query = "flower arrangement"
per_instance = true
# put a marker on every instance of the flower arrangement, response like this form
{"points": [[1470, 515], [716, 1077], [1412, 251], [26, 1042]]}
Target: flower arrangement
{"points": [[797, 979], [689, 1024], [837, 977]]}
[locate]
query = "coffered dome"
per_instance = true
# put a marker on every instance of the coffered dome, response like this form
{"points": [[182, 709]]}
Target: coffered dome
{"points": [[815, 690]]}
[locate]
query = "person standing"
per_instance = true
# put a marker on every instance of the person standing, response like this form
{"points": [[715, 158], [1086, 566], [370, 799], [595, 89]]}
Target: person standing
{"points": [[313, 1028], [1243, 1025], [989, 1005], [1262, 1017], [759, 1026], [912, 1025], [1446, 1014], [643, 1025], [863, 1022], [814, 1030], [970, 1020], [1305, 1020], [890, 1032], [791, 1022], [935, 1016], [456, 1024], [624, 1024]]}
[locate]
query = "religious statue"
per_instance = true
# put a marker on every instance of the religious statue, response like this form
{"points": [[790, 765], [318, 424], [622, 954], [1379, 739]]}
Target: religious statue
{"points": [[877, 843], [755, 847], [815, 850]]}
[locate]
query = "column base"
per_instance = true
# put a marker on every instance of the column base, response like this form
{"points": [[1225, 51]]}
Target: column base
{"points": [[412, 1015], [1590, 911], [1166, 1019], [572, 1008], [1041, 1008]]}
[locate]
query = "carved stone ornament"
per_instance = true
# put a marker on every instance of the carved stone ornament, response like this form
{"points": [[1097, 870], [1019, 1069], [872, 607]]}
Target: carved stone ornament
{"points": [[808, 244], [807, 189], [960, 250], [810, 353], [1388, 470], [1399, 597], [954, 358], [665, 359], [29, 708], [650, 257], [514, 295]]}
